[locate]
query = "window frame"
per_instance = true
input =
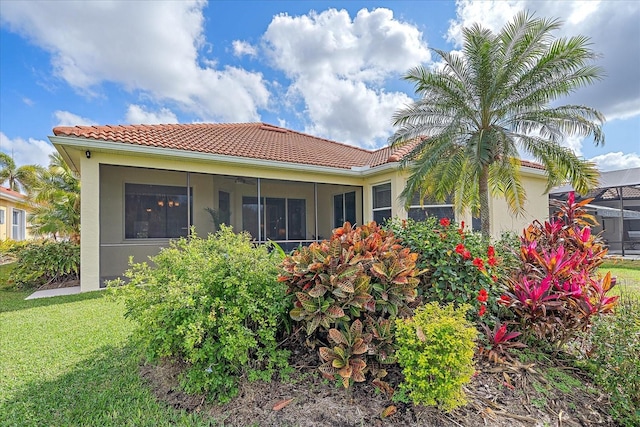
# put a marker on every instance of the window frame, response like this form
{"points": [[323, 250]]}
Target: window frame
{"points": [[21, 225], [166, 205], [426, 207], [343, 197], [375, 209], [431, 205], [267, 207]]}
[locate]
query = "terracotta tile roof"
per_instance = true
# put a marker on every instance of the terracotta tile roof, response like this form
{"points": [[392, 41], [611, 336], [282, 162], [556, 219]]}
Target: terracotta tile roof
{"points": [[5, 191], [532, 165], [250, 140]]}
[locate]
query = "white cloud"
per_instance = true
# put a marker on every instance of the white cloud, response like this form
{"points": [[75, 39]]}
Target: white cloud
{"points": [[349, 111], [137, 114], [338, 67], [152, 47], [614, 32], [616, 160], [491, 14], [241, 48], [26, 152], [574, 143], [66, 118]]}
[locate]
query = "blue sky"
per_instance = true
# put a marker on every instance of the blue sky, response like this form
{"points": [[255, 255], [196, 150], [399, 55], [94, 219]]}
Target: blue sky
{"points": [[331, 69]]}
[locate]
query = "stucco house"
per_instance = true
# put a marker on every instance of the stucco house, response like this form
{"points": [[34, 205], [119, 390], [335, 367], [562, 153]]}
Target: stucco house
{"points": [[13, 215], [145, 184]]}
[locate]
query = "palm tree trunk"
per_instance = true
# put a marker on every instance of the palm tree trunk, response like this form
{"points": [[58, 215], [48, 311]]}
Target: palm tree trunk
{"points": [[485, 218]]}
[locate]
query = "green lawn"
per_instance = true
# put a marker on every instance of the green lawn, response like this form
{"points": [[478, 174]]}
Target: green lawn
{"points": [[627, 274], [67, 361]]}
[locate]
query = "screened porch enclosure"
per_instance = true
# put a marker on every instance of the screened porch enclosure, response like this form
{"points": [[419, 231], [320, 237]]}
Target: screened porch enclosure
{"points": [[141, 210]]}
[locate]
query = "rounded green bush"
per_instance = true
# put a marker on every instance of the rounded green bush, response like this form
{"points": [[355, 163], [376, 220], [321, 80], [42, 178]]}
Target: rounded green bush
{"points": [[214, 304], [435, 349]]}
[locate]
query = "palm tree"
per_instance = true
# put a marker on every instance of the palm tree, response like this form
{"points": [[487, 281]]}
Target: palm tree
{"points": [[21, 178], [489, 101], [56, 201]]}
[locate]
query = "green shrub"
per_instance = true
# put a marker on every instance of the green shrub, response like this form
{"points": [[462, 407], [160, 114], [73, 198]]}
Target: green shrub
{"points": [[614, 356], [9, 248], [360, 278], [43, 262], [509, 248], [435, 349], [457, 265], [213, 303]]}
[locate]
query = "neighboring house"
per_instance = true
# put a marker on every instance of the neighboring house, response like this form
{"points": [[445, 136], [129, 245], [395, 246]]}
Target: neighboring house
{"points": [[275, 183], [616, 207], [13, 215]]}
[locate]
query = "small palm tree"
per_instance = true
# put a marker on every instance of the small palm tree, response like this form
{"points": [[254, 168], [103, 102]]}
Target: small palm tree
{"points": [[489, 101], [56, 201], [21, 179]]}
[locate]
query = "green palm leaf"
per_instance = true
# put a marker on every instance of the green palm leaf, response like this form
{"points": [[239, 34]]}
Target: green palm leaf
{"points": [[490, 102]]}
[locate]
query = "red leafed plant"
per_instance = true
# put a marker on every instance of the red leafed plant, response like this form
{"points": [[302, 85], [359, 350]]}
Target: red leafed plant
{"points": [[499, 342], [557, 289]]}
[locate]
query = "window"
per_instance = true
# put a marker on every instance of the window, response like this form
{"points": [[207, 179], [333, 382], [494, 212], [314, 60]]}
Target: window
{"points": [[420, 210], [224, 207], [281, 219], [18, 225], [297, 219], [250, 215], [2, 216], [344, 208], [156, 211], [382, 203]]}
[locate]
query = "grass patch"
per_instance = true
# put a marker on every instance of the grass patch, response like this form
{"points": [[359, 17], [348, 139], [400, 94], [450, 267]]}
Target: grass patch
{"points": [[66, 361], [627, 274], [15, 300]]}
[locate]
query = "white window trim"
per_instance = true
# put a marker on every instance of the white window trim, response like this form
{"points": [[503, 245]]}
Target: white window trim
{"points": [[22, 226]]}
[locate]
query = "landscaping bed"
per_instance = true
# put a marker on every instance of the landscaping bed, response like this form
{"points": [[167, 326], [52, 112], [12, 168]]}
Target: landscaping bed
{"points": [[521, 394]]}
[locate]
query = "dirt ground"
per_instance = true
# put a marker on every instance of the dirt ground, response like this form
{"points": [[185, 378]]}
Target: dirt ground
{"points": [[506, 395], [60, 284]]}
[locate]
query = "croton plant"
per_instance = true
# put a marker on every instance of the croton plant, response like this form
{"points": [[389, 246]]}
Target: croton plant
{"points": [[360, 278]]}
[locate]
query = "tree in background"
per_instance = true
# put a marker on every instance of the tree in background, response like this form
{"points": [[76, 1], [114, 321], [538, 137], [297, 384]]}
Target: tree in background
{"points": [[56, 201], [487, 102], [21, 179]]}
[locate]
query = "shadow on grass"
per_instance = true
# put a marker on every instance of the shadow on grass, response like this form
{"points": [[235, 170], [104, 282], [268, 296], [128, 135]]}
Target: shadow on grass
{"points": [[105, 390], [15, 300]]}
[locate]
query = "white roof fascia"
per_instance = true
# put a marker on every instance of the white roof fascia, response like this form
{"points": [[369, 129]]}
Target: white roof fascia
{"points": [[12, 197]]}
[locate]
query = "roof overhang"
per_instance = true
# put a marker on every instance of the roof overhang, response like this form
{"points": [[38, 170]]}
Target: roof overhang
{"points": [[609, 212], [12, 198], [72, 148]]}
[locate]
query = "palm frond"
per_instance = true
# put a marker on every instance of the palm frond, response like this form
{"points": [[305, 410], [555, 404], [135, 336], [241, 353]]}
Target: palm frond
{"points": [[561, 164]]}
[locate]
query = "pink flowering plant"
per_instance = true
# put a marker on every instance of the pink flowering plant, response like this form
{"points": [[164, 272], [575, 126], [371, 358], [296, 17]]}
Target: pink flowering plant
{"points": [[457, 266], [557, 290]]}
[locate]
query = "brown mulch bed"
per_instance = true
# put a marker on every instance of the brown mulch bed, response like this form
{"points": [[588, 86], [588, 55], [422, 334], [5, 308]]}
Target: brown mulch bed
{"points": [[503, 395], [60, 284]]}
